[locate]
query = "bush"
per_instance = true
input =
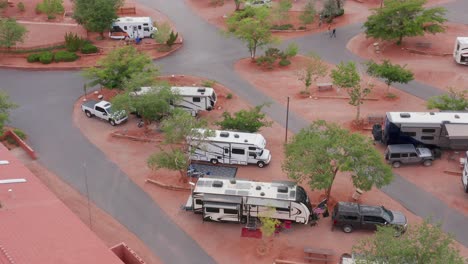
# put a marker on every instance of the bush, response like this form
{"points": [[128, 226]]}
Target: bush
{"points": [[302, 28], [20, 133], [208, 83], [73, 42], [21, 7], [282, 27], [284, 62], [229, 96], [65, 56], [339, 13], [89, 48], [172, 38], [33, 57], [266, 61], [46, 57]]}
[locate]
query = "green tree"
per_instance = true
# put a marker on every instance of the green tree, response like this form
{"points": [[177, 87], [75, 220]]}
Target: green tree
{"points": [[280, 12], [238, 3], [11, 32], [251, 26], [245, 120], [399, 19], [391, 73], [313, 69], [120, 65], [268, 226], [317, 153], [162, 35], [50, 8], [178, 130], [421, 244], [332, 9], [96, 15], [308, 13], [453, 100], [347, 77], [5, 106]]}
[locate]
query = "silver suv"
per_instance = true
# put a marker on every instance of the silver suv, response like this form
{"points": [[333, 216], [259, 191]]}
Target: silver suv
{"points": [[407, 154]]}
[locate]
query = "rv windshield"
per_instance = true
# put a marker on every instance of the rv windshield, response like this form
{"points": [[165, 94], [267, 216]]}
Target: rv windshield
{"points": [[301, 197], [213, 97]]}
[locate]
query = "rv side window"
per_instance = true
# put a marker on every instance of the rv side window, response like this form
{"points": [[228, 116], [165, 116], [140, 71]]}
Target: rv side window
{"points": [[427, 137], [238, 151], [146, 29], [145, 24], [139, 27], [252, 148], [125, 27], [230, 211], [226, 151], [411, 134], [428, 130], [395, 155], [198, 201], [196, 99], [211, 210], [282, 209]]}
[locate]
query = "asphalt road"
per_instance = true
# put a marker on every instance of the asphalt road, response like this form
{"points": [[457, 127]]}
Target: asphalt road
{"points": [[46, 104]]}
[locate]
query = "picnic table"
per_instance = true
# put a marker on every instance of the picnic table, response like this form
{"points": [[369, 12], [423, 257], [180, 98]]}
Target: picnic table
{"points": [[318, 254]]}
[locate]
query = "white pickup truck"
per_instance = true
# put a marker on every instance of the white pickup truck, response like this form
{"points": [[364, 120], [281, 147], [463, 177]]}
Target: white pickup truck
{"points": [[103, 110]]}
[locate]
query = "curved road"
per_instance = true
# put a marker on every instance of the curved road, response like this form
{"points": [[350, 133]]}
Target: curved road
{"points": [[46, 104]]}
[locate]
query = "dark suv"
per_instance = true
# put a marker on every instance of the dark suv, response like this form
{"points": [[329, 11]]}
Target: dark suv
{"points": [[350, 216]]}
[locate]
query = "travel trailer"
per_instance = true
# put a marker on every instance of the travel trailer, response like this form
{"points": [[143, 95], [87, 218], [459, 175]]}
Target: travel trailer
{"points": [[448, 130], [231, 200], [229, 147], [460, 52], [132, 27], [193, 99]]}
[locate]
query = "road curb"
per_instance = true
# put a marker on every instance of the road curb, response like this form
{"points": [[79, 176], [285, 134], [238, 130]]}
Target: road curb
{"points": [[168, 187]]}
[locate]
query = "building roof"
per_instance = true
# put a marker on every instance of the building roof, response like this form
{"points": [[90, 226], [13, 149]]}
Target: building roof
{"points": [[427, 117], [36, 227]]}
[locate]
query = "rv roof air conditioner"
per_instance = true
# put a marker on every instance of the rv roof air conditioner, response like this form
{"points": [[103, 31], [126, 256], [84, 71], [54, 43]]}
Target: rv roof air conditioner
{"points": [[283, 189], [258, 188], [217, 184], [224, 134], [236, 135], [245, 140], [432, 113], [405, 115], [232, 181], [262, 194], [457, 116]]}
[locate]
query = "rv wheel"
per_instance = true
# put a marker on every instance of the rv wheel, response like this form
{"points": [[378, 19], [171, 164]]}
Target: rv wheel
{"points": [[152, 35], [261, 164], [214, 161]]}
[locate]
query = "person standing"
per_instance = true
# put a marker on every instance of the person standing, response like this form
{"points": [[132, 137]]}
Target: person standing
{"points": [[333, 34]]}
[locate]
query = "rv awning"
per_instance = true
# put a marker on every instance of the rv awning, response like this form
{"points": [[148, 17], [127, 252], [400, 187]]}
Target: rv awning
{"points": [[222, 198], [267, 202], [221, 205], [457, 131]]}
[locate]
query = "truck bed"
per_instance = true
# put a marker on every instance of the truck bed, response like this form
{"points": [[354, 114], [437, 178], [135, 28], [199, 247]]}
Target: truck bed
{"points": [[90, 103]]}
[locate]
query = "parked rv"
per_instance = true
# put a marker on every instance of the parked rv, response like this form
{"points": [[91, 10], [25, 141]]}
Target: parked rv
{"points": [[241, 201], [465, 173], [448, 130], [460, 52], [193, 99], [132, 27], [230, 147]]}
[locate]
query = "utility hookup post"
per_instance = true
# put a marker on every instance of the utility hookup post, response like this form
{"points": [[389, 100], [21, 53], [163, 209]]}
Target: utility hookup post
{"points": [[287, 121]]}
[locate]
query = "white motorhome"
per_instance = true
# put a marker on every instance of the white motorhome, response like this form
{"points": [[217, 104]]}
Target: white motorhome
{"points": [[460, 52], [448, 130], [229, 147], [132, 27], [193, 99], [231, 200]]}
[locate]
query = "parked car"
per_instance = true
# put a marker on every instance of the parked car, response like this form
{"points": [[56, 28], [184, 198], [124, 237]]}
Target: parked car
{"points": [[103, 110], [258, 3], [349, 216], [406, 154]]}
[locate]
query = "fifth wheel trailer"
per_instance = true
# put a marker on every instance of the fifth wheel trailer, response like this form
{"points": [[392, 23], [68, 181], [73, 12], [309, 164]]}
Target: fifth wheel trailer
{"points": [[446, 130], [231, 200]]}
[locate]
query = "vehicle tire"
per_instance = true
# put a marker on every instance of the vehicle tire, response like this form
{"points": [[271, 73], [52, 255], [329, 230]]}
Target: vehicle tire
{"points": [[112, 122], [347, 228], [427, 163], [261, 164], [396, 164], [88, 114], [243, 220], [151, 35], [214, 161]]}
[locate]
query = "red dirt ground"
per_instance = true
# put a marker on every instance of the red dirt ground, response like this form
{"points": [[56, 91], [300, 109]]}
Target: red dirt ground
{"points": [[438, 71], [56, 32], [131, 157]]}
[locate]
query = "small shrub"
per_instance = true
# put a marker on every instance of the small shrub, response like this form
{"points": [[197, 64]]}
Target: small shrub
{"points": [[89, 48], [208, 83], [273, 52], [3, 4], [282, 27], [50, 7], [291, 50], [46, 57], [217, 2], [33, 57], [304, 92], [73, 42], [302, 28], [50, 17], [20, 133], [172, 38], [65, 56], [21, 7], [391, 96], [229, 96], [266, 61], [339, 13], [284, 62]]}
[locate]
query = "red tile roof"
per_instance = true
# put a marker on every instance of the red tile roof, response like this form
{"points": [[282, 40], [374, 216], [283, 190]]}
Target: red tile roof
{"points": [[36, 227]]}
